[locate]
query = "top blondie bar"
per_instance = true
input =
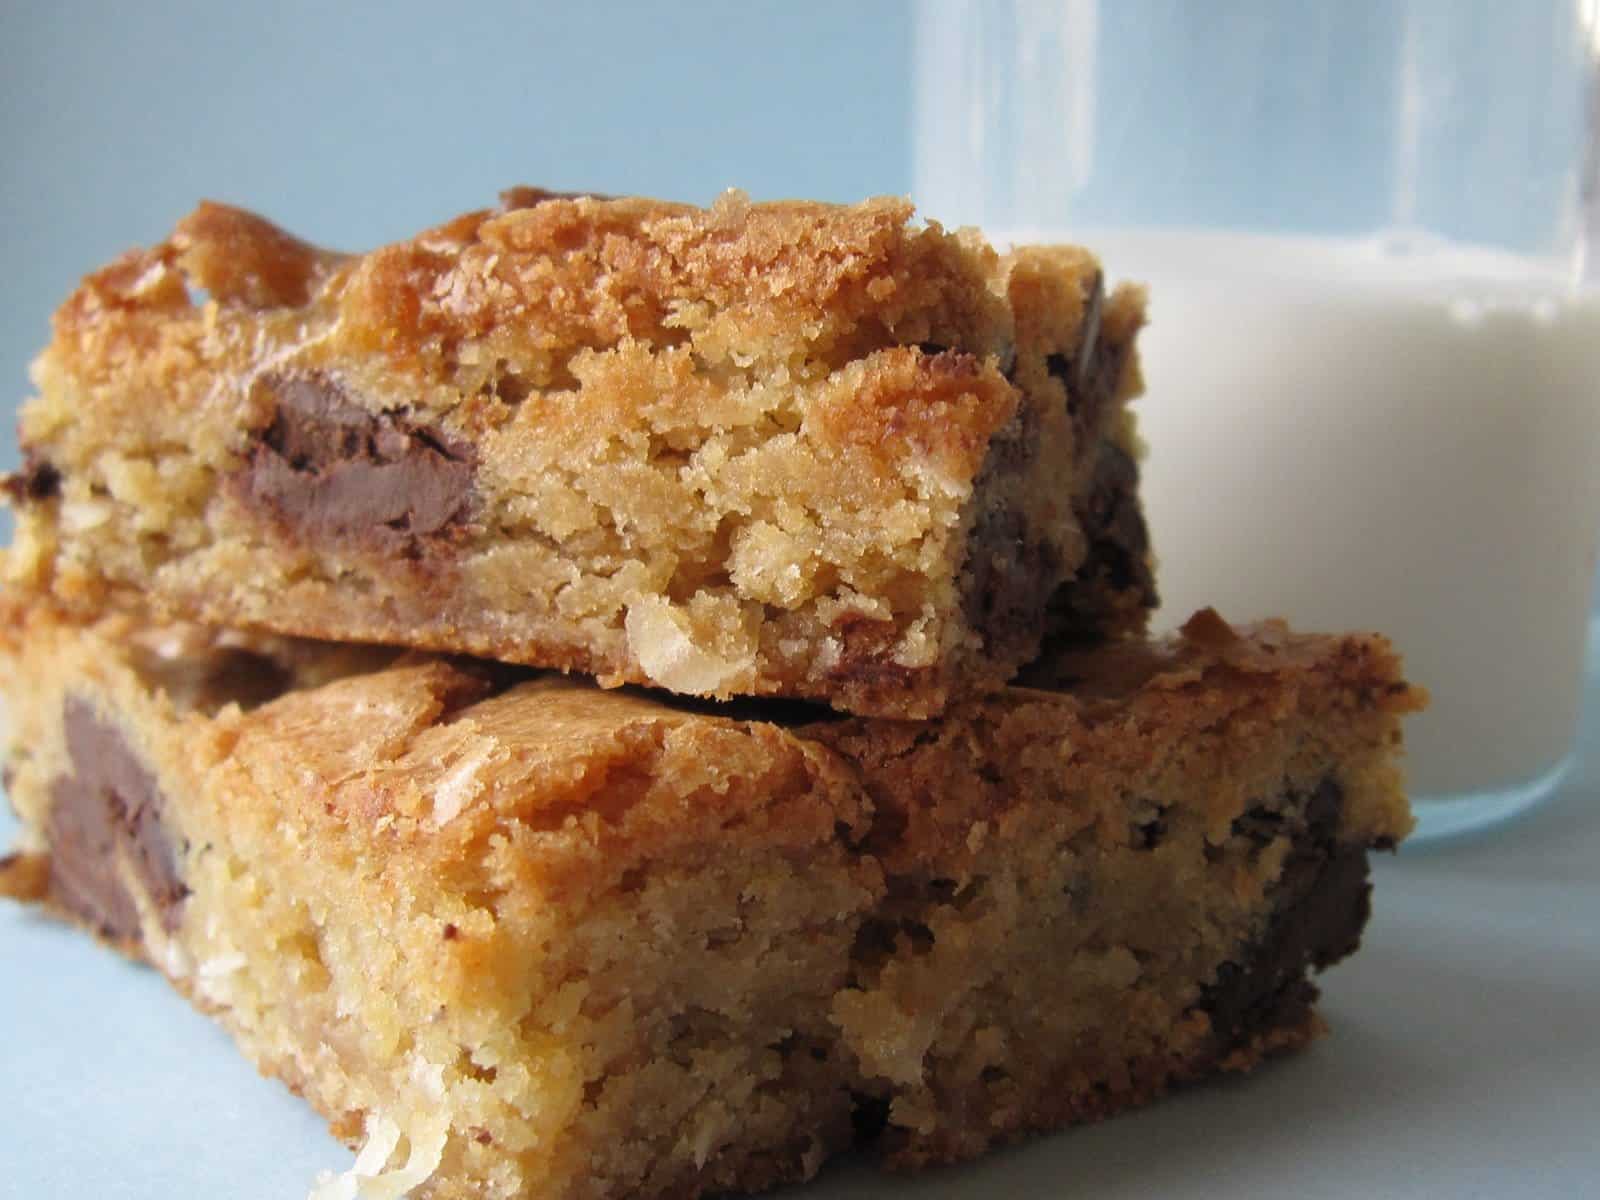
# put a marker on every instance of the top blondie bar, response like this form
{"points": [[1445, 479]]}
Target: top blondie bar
{"points": [[788, 449]]}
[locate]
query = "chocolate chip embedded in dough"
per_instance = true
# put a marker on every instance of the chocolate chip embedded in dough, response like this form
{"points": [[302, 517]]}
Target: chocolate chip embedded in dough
{"points": [[1009, 571], [108, 810], [329, 469], [1114, 522], [1119, 545], [1323, 900], [37, 481]]}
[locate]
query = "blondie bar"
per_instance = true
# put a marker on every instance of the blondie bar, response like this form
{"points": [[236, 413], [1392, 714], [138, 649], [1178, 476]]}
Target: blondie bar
{"points": [[524, 937], [785, 449]]}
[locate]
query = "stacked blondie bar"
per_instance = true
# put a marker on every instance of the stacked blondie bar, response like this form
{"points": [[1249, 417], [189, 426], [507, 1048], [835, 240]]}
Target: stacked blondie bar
{"points": [[609, 698]]}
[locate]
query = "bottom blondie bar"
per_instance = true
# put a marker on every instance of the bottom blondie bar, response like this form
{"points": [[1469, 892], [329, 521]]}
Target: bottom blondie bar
{"points": [[519, 937]]}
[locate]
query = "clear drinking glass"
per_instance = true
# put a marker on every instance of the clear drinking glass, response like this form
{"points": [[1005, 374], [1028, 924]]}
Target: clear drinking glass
{"points": [[1373, 361]]}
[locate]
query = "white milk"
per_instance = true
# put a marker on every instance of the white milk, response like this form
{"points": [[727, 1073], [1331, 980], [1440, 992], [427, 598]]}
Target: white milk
{"points": [[1369, 435]]}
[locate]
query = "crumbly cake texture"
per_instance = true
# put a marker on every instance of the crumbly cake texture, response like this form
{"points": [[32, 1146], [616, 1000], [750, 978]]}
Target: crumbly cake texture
{"points": [[525, 937], [787, 449]]}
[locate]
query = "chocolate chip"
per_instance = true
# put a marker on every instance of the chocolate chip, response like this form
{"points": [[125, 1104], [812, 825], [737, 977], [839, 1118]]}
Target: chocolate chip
{"points": [[866, 655], [886, 832], [1009, 570], [108, 810], [1260, 826], [1014, 449], [1149, 834], [1322, 811], [330, 469], [1008, 573], [37, 481], [869, 1117], [1322, 902], [1316, 820], [1118, 564]]}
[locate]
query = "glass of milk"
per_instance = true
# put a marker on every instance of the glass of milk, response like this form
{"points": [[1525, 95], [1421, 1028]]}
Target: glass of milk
{"points": [[1373, 361]]}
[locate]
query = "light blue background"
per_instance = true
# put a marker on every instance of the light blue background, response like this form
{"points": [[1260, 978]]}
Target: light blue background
{"points": [[1463, 117], [1286, 115]]}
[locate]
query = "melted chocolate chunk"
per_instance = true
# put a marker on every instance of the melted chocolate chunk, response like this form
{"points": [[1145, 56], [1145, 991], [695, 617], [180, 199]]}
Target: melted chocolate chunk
{"points": [[1008, 571], [1013, 450], [1114, 521], [1147, 835], [37, 481], [330, 469], [108, 810], [869, 1117], [1119, 550], [1323, 902]]}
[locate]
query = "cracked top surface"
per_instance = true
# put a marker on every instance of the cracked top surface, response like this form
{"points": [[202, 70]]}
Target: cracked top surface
{"points": [[511, 296], [498, 303]]}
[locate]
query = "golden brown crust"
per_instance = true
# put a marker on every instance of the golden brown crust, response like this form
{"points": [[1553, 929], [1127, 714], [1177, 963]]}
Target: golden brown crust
{"points": [[570, 273], [244, 260], [786, 449], [591, 272], [1208, 647], [1129, 708]]}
